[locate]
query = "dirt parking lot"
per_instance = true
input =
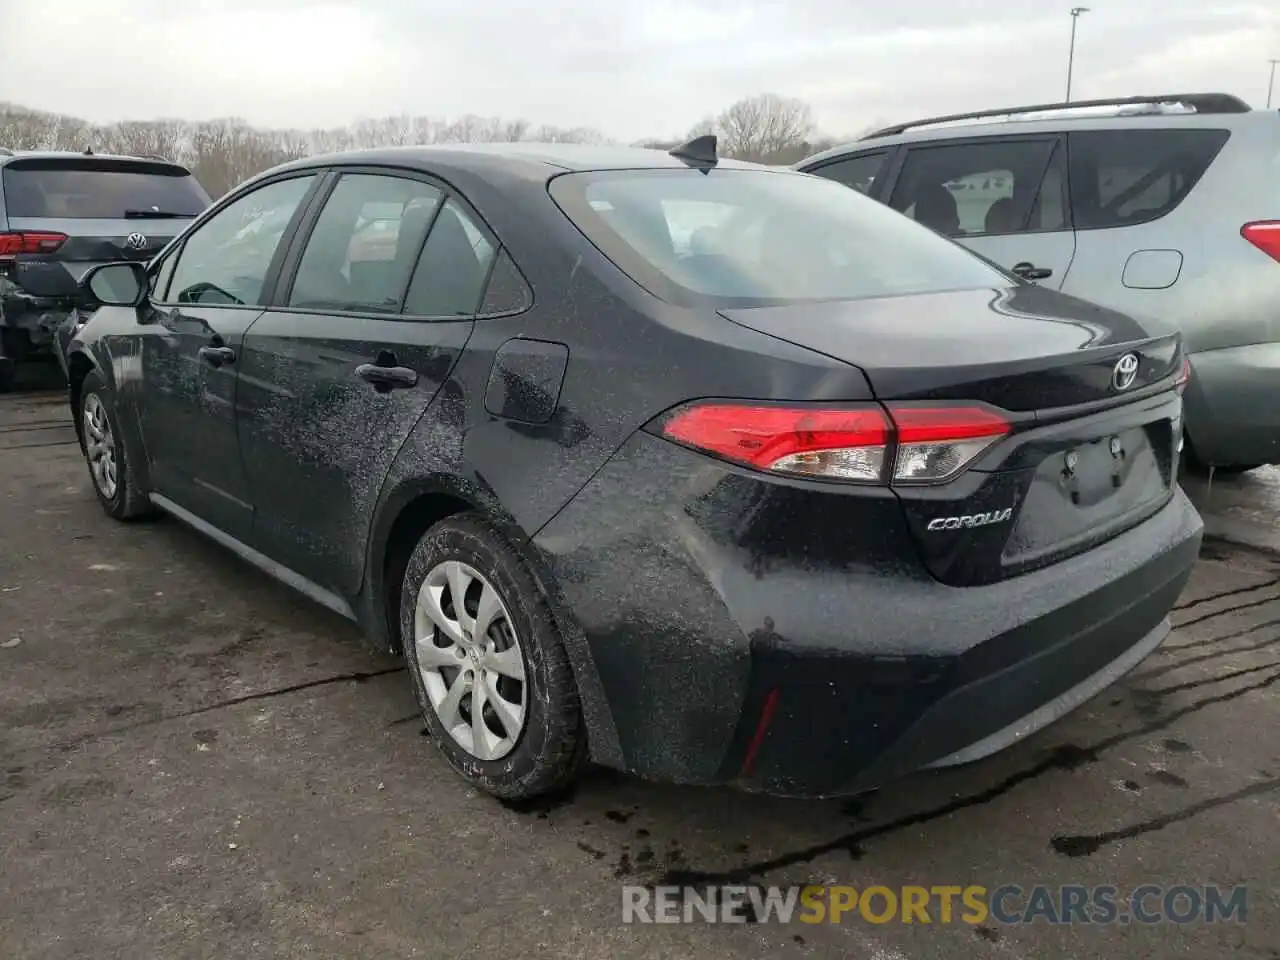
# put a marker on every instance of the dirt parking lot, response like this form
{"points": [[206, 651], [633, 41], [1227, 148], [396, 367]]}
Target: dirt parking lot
{"points": [[196, 762]]}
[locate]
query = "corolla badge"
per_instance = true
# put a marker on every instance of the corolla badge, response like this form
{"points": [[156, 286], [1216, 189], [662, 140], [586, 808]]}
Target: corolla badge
{"points": [[1125, 372], [970, 520], [135, 241]]}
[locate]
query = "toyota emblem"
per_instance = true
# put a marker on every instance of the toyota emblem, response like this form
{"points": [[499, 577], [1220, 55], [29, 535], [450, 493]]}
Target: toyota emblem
{"points": [[1126, 372], [136, 241]]}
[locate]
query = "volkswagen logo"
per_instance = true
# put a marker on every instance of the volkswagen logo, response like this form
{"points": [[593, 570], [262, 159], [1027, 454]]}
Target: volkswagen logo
{"points": [[1125, 372], [136, 241]]}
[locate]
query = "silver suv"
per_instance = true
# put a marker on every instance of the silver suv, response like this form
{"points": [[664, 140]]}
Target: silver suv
{"points": [[1165, 207], [63, 213]]}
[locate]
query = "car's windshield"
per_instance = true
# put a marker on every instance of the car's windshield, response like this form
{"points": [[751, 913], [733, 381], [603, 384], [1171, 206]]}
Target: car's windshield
{"points": [[746, 236]]}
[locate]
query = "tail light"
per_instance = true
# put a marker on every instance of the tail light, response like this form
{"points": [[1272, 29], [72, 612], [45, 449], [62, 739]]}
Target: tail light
{"points": [[12, 244], [901, 443], [1184, 375], [1265, 235]]}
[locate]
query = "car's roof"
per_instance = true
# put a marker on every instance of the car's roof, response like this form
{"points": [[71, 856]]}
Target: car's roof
{"points": [[7, 156], [1012, 127], [529, 158]]}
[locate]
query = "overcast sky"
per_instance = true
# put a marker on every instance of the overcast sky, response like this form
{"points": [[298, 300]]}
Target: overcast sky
{"points": [[631, 68]]}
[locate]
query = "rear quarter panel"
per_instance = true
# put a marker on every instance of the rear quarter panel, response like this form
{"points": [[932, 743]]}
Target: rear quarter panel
{"points": [[629, 358], [1224, 291]]}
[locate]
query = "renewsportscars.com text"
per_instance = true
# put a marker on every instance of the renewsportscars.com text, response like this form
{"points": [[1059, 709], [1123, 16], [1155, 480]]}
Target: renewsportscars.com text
{"points": [[973, 904]]}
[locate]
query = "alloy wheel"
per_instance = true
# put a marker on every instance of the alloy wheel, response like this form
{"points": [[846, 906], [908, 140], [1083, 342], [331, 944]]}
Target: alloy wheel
{"points": [[470, 660], [100, 446]]}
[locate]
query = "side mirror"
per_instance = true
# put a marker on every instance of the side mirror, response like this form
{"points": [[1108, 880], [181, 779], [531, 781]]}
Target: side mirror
{"points": [[45, 279], [122, 284]]}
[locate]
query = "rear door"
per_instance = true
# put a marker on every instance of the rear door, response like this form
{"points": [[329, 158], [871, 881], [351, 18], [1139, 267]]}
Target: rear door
{"points": [[93, 210], [1004, 198], [373, 312]]}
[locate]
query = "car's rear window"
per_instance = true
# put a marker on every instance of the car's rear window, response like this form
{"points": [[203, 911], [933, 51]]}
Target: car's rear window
{"points": [[89, 189], [755, 236]]}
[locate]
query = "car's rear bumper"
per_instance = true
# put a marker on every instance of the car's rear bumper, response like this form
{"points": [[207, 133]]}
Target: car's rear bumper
{"points": [[715, 658], [35, 319], [1233, 405]]}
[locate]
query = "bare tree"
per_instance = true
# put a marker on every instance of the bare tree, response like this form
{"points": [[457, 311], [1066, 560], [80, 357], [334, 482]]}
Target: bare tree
{"points": [[761, 127], [702, 128], [223, 153]]}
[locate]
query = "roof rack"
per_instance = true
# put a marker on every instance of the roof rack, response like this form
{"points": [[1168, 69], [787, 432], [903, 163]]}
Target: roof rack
{"points": [[153, 156], [5, 152], [1200, 102]]}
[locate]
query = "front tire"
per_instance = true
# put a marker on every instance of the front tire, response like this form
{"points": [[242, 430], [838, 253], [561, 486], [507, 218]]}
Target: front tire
{"points": [[111, 471], [487, 663]]}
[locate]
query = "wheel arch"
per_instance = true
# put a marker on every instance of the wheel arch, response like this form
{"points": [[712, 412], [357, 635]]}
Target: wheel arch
{"points": [[79, 366], [405, 514]]}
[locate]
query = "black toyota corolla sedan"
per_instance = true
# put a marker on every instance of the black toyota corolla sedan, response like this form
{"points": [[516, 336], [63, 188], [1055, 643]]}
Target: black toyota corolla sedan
{"points": [[711, 472]]}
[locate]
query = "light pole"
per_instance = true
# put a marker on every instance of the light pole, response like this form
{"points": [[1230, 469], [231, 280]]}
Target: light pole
{"points": [[1272, 82], [1071, 56]]}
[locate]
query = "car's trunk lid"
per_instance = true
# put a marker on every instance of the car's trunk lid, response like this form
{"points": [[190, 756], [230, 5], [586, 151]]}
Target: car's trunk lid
{"points": [[90, 242], [1095, 423]]}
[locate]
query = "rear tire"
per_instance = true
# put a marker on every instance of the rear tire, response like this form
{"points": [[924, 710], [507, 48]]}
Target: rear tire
{"points": [[1196, 465], [8, 373], [499, 647], [1232, 469], [114, 479]]}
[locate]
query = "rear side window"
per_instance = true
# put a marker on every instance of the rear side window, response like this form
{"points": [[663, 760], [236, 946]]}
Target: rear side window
{"points": [[452, 273], [750, 237], [859, 172], [1123, 177], [93, 189], [507, 291]]}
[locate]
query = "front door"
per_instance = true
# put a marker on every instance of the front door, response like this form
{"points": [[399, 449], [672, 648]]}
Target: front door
{"points": [[207, 294], [336, 375], [1002, 198]]}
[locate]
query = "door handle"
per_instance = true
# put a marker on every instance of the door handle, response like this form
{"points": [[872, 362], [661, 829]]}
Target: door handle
{"points": [[1029, 271], [217, 356], [387, 376]]}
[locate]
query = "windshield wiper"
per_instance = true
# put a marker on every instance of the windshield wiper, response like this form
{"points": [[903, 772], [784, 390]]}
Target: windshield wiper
{"points": [[154, 215]]}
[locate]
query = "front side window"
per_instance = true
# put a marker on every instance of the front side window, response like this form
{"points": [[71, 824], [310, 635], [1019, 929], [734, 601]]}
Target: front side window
{"points": [[974, 189], [225, 260], [364, 246], [743, 237], [160, 275]]}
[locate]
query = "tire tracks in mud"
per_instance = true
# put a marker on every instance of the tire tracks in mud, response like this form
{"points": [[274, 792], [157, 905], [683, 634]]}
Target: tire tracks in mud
{"points": [[1223, 612], [353, 677], [1217, 638], [1174, 666], [1200, 601], [1085, 845]]}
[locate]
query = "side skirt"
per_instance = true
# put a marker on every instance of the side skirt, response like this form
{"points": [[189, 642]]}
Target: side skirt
{"points": [[264, 563]]}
